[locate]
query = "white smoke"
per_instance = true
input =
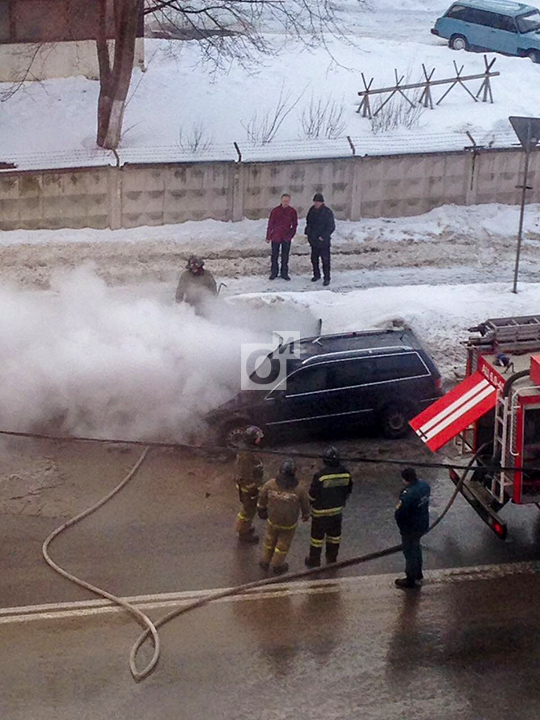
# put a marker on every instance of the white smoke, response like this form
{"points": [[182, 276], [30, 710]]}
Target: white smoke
{"points": [[81, 361]]}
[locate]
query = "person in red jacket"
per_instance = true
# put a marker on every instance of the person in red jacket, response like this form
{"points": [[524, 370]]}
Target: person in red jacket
{"points": [[282, 225]]}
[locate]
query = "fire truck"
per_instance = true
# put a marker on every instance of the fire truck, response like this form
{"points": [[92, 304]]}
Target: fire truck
{"points": [[494, 415]]}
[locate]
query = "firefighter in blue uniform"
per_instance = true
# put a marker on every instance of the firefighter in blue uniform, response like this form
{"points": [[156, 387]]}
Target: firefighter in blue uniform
{"points": [[412, 518], [330, 488]]}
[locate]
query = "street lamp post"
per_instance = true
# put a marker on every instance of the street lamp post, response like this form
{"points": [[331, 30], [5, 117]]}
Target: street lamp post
{"points": [[528, 132]]}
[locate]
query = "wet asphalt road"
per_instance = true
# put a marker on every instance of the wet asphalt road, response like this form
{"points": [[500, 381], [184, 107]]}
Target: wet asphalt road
{"points": [[171, 528], [463, 647]]}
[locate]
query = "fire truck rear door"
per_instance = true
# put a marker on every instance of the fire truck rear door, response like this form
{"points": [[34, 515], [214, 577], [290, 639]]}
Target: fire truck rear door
{"points": [[447, 417]]}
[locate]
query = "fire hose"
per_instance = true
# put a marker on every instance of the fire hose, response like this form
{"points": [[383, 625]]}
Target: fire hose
{"points": [[151, 628]]}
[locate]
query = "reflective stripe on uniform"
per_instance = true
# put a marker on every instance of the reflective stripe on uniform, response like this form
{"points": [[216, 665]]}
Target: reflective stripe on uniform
{"points": [[333, 539], [316, 543], [282, 527], [336, 480], [241, 516], [327, 512], [245, 488]]}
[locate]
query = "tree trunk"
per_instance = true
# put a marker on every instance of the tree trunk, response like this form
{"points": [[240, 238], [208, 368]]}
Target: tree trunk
{"points": [[115, 80]]}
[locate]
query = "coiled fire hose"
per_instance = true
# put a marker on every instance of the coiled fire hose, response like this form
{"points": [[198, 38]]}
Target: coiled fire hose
{"points": [[140, 617], [151, 628]]}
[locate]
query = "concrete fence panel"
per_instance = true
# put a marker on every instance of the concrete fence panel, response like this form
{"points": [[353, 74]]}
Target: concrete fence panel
{"points": [[263, 184], [404, 185], [355, 187], [74, 198], [162, 194]]}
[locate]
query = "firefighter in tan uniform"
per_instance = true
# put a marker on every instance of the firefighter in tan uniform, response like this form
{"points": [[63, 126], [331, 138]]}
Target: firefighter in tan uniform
{"points": [[249, 478], [280, 502]]}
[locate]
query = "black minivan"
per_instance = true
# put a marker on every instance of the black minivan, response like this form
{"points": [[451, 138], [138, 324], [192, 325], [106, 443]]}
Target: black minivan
{"points": [[374, 378]]}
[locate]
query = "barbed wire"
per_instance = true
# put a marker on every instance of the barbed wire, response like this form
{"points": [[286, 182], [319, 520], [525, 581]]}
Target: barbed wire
{"points": [[234, 151]]}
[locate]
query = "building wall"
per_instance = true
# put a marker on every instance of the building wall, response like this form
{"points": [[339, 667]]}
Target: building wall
{"points": [[355, 187], [28, 61]]}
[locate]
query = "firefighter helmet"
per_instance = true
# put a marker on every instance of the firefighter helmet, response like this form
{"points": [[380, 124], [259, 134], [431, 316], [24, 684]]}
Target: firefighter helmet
{"points": [[288, 468], [331, 456], [253, 434], [195, 262], [286, 477]]}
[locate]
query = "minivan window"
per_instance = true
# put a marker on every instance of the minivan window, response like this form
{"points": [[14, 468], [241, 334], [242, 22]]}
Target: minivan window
{"points": [[503, 22], [458, 12], [307, 380], [483, 17], [397, 367], [348, 373], [528, 22]]}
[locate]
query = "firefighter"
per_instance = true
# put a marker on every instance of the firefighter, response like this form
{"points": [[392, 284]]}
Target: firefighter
{"points": [[281, 501], [196, 285], [330, 488], [249, 478], [412, 518]]}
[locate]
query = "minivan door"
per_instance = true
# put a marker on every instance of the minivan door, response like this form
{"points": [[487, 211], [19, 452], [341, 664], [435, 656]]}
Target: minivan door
{"points": [[349, 397], [503, 35], [301, 404]]}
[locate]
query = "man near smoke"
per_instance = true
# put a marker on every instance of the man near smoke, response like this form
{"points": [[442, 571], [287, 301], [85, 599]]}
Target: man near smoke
{"points": [[196, 285]]}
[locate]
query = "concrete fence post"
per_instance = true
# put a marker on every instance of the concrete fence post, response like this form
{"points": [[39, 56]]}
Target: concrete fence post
{"points": [[115, 197], [356, 190], [237, 210], [471, 176]]}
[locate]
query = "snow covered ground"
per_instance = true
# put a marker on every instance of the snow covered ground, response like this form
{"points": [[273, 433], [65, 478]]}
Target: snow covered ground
{"points": [[177, 94]]}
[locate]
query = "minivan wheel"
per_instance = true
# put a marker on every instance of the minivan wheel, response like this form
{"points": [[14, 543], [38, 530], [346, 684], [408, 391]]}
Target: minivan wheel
{"points": [[394, 420], [458, 42], [534, 55]]}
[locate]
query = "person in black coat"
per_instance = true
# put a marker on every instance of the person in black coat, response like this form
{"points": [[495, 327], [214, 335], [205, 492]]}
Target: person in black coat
{"points": [[328, 494], [412, 518], [320, 225]]}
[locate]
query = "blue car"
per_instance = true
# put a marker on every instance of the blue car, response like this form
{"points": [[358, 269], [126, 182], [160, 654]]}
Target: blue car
{"points": [[493, 25]]}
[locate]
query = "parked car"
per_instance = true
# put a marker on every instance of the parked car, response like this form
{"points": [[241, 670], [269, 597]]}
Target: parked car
{"points": [[507, 27], [378, 378]]}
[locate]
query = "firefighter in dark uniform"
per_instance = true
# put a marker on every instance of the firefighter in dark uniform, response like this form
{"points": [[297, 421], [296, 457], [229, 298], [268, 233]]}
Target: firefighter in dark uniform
{"points": [[281, 500], [249, 478], [412, 518], [330, 488]]}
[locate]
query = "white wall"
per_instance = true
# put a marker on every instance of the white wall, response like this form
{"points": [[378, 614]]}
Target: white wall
{"points": [[27, 61]]}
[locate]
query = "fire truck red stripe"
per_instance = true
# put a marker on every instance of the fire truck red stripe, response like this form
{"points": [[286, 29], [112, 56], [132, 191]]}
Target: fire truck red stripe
{"points": [[443, 420]]}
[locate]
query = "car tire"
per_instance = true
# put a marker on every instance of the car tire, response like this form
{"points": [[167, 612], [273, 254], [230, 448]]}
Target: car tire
{"points": [[395, 420], [230, 435], [534, 55], [458, 42]]}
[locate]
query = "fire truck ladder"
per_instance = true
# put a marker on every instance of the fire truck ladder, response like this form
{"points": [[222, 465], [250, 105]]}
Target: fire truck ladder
{"points": [[508, 334], [504, 445]]}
